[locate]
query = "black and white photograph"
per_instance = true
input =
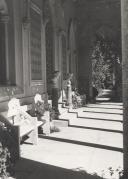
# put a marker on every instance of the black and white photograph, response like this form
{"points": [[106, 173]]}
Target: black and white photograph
{"points": [[63, 89]]}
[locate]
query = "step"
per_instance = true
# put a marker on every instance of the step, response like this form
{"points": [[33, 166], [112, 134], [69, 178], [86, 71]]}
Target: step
{"points": [[109, 126], [68, 115], [92, 123], [81, 113], [109, 106], [97, 109], [89, 144], [61, 123], [103, 99], [112, 103], [101, 116], [87, 137], [62, 110], [54, 159], [102, 110], [97, 124], [76, 110]]}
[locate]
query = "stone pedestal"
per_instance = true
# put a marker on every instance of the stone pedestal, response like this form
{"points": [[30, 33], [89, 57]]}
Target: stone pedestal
{"points": [[69, 94]]}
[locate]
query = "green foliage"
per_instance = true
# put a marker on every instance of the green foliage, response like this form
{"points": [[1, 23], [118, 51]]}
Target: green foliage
{"points": [[39, 108], [6, 163], [78, 100], [105, 59]]}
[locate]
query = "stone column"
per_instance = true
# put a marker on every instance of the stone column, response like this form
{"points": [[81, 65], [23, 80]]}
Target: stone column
{"points": [[4, 26], [124, 17], [25, 36]]}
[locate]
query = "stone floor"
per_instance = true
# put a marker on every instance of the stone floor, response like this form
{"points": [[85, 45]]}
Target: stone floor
{"points": [[76, 152]]}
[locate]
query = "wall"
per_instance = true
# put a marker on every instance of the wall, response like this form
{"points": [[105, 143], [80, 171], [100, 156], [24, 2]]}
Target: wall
{"points": [[21, 85]]}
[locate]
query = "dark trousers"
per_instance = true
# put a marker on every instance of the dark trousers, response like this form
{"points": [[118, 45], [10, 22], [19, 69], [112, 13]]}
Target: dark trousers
{"points": [[55, 99]]}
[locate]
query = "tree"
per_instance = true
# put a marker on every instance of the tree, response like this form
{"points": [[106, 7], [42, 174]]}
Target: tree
{"points": [[106, 62]]}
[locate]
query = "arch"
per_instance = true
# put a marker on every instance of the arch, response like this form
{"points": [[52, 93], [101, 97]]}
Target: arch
{"points": [[106, 30]]}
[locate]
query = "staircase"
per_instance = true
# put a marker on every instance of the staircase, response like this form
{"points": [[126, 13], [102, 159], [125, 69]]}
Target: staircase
{"points": [[97, 126], [90, 141]]}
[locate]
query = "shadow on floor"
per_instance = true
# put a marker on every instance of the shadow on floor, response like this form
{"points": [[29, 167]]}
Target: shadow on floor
{"points": [[96, 128], [101, 107], [101, 118], [100, 112], [28, 169], [101, 146]]}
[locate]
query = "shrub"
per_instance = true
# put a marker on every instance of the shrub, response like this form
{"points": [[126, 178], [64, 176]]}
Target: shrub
{"points": [[6, 161]]}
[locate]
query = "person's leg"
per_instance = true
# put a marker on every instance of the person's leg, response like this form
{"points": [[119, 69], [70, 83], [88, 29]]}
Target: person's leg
{"points": [[55, 100]]}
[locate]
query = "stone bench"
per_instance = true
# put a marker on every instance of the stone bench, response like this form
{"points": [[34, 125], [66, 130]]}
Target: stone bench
{"points": [[21, 124]]}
